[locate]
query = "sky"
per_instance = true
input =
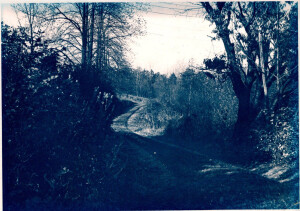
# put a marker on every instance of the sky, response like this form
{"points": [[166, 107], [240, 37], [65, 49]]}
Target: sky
{"points": [[173, 38], [173, 41], [8, 16]]}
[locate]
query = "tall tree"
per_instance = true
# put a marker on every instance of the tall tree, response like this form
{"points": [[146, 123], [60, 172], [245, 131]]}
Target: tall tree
{"points": [[95, 35], [250, 62], [29, 17]]}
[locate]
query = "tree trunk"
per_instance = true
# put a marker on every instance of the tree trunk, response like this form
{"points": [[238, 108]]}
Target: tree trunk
{"points": [[244, 116], [31, 27], [100, 43], [91, 38], [84, 36], [241, 90], [263, 70], [30, 13], [277, 61], [85, 80], [189, 99]]}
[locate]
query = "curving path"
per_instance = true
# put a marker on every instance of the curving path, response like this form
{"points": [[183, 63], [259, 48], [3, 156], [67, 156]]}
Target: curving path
{"points": [[194, 180], [121, 123]]}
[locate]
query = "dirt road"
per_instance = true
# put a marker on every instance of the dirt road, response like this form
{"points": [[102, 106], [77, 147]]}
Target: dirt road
{"points": [[162, 175]]}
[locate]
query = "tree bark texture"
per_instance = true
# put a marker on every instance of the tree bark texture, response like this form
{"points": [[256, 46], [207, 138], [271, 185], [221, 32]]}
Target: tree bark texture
{"points": [[241, 90]]}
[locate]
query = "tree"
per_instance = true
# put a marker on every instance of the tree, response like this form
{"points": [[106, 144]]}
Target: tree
{"points": [[31, 12], [171, 87], [94, 35], [236, 25]]}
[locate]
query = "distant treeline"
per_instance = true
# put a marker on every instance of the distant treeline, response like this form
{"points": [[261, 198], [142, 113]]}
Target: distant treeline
{"points": [[207, 103]]}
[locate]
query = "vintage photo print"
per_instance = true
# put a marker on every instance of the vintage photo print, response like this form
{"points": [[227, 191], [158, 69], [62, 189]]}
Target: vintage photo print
{"points": [[150, 105]]}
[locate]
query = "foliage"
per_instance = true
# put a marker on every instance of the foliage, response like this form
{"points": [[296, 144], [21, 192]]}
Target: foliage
{"points": [[279, 135], [102, 28], [257, 51], [55, 143], [59, 95], [207, 105]]}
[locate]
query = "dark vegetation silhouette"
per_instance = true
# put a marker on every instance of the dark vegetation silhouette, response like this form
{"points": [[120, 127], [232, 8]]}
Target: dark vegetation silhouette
{"points": [[59, 94]]}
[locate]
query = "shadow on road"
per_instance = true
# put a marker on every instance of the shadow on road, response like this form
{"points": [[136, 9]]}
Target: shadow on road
{"points": [[162, 176]]}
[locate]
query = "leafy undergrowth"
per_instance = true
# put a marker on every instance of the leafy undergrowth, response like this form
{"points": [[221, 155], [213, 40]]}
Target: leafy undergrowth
{"points": [[62, 160]]}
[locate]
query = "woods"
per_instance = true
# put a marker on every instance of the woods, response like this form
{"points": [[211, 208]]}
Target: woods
{"points": [[67, 76], [261, 20]]}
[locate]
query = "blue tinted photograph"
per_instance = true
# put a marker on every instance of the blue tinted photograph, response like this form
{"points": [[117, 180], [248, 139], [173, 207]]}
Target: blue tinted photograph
{"points": [[150, 105]]}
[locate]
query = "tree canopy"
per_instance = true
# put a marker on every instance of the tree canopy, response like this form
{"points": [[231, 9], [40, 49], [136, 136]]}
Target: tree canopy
{"points": [[258, 57]]}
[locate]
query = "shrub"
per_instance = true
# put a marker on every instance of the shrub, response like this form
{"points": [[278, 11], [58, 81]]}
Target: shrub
{"points": [[279, 135]]}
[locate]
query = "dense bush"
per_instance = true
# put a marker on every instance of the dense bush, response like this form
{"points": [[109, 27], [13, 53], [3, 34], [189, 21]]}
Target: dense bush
{"points": [[278, 135], [56, 144], [207, 105]]}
